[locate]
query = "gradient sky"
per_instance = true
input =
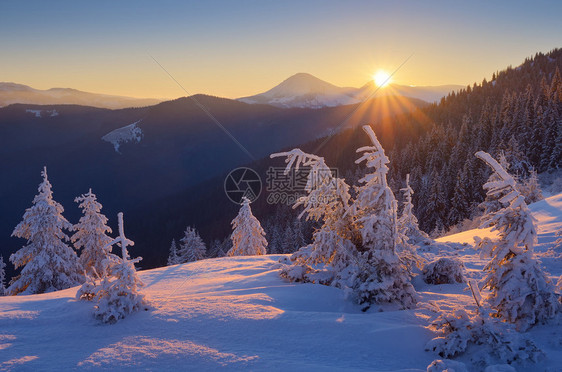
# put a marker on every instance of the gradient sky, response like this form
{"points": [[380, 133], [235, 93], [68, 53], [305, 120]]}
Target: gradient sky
{"points": [[235, 49]]}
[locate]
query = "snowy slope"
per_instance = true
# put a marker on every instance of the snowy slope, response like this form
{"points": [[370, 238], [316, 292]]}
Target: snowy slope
{"points": [[237, 314], [128, 133]]}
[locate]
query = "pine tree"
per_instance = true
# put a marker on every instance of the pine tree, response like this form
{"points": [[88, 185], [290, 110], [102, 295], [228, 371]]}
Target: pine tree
{"points": [[248, 237], [460, 207], [298, 237], [49, 264], [118, 294], [520, 291], [192, 247], [91, 235], [408, 223], [2, 276], [173, 258]]}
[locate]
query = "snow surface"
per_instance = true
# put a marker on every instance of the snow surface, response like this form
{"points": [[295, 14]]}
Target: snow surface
{"points": [[129, 133], [236, 313]]}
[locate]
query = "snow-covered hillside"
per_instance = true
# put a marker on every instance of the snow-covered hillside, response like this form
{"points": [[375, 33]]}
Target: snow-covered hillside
{"points": [[128, 133], [238, 314]]}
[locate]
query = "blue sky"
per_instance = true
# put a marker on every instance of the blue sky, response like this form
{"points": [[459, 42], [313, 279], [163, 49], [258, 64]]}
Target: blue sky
{"points": [[241, 48]]}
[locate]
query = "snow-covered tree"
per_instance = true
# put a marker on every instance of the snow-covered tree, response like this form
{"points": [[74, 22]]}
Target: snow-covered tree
{"points": [[248, 237], [2, 276], [192, 247], [408, 223], [520, 291], [381, 276], [327, 200], [356, 246], [119, 294], [49, 264], [173, 258], [91, 235]]}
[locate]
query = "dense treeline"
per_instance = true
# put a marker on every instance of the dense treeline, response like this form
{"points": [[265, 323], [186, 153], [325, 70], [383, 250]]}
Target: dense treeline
{"points": [[518, 112]]}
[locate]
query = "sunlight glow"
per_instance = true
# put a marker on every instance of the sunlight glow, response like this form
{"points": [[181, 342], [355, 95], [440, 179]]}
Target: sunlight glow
{"points": [[381, 78]]}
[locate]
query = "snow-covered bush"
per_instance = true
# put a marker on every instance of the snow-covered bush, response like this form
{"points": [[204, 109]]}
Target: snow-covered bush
{"points": [[446, 365], [356, 247], [492, 339], [91, 235], [49, 264], [173, 258], [520, 291], [248, 237], [443, 271], [192, 247], [119, 294]]}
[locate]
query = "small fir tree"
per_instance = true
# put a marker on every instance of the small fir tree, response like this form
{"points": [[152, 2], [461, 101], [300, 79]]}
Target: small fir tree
{"points": [[173, 258], [248, 237], [49, 264], [408, 223], [91, 235], [192, 247]]}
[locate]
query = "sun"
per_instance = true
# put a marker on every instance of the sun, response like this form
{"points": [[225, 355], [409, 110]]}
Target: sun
{"points": [[381, 78]]}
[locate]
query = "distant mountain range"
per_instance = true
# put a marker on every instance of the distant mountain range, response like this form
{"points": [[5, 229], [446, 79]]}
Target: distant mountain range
{"points": [[307, 91], [133, 157], [11, 93]]}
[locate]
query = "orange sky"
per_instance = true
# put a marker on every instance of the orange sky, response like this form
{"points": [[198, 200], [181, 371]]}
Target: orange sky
{"points": [[238, 49]]}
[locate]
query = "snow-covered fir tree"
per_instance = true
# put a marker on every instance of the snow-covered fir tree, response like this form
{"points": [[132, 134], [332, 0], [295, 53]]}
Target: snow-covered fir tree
{"points": [[192, 247], [91, 235], [2, 276], [408, 223], [173, 258], [48, 262], [381, 277], [248, 237], [119, 294], [520, 291]]}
